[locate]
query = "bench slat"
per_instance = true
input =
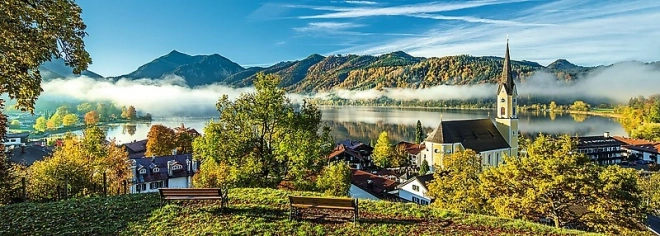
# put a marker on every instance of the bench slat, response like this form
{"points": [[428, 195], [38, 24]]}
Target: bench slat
{"points": [[191, 197], [322, 206], [317, 201]]}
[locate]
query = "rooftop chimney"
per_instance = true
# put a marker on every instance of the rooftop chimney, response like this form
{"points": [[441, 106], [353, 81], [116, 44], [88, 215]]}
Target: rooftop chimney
{"points": [[606, 134]]}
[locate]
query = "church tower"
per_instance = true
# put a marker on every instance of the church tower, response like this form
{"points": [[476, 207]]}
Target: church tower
{"points": [[507, 98]]}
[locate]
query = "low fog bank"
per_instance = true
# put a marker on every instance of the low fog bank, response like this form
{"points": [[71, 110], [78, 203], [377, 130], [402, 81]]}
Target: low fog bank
{"points": [[616, 83], [171, 97]]}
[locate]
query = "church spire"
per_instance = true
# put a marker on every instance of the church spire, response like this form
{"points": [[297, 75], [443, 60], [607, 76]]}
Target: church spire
{"points": [[507, 77]]}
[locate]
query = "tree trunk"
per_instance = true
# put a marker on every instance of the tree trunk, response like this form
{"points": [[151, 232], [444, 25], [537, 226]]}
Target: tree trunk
{"points": [[556, 219]]}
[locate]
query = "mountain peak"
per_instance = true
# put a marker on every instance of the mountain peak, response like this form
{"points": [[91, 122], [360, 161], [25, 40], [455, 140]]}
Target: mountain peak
{"points": [[562, 64], [400, 54]]}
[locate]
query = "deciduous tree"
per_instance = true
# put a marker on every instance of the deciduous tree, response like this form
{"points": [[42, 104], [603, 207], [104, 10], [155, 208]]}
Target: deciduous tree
{"points": [[184, 139], [56, 120], [161, 140], [34, 32], [262, 138], [84, 107], [457, 186], [62, 111], [399, 156], [213, 175], [335, 179], [70, 120], [131, 113], [91, 118], [40, 124], [383, 151]]}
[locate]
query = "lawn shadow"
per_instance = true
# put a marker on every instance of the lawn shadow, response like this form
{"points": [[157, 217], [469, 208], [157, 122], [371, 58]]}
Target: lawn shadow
{"points": [[267, 213]]}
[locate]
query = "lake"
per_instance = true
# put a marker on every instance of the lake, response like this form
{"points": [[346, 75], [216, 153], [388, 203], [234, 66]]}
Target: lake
{"points": [[365, 123]]}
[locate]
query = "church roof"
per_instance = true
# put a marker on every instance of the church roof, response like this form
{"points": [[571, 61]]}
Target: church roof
{"points": [[479, 135], [506, 81]]}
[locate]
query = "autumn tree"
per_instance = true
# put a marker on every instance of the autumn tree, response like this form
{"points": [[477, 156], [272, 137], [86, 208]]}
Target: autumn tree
{"points": [[70, 120], [650, 192], [34, 32], [91, 118], [40, 124], [648, 131], [184, 139], [335, 179], [62, 111], [553, 106], [56, 121], [124, 112], [579, 106], [263, 138], [457, 186], [161, 140], [546, 183], [131, 113], [213, 175], [382, 151], [84, 107], [399, 156], [419, 133]]}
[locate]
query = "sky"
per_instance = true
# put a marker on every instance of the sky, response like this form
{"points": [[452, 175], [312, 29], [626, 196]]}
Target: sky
{"points": [[125, 34]]}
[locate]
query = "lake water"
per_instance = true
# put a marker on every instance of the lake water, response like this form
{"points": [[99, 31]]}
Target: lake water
{"points": [[365, 123]]}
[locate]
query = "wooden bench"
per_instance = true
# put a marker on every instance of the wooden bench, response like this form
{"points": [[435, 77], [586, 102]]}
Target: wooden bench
{"points": [[193, 194], [297, 202]]}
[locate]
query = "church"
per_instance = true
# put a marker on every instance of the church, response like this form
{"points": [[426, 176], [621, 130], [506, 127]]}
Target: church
{"points": [[490, 140]]}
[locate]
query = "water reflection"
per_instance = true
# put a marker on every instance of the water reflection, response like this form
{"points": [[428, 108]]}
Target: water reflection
{"points": [[365, 123]]}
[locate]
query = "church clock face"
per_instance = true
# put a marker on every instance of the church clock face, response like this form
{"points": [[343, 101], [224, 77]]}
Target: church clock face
{"points": [[502, 100]]}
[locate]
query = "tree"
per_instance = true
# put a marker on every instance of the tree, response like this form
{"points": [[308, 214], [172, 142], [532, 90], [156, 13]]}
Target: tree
{"points": [[6, 175], [40, 124], [70, 120], [419, 133], [263, 139], [213, 175], [103, 111], [15, 124], [424, 167], [553, 106], [84, 107], [131, 114], [91, 118], [548, 182], [457, 186], [654, 113], [650, 192], [124, 112], [649, 131], [62, 111], [399, 156], [335, 179], [579, 106], [184, 139], [161, 140], [382, 151], [130, 129], [56, 121], [35, 32]]}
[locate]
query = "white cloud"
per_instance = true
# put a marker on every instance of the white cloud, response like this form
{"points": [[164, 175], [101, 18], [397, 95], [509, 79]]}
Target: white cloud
{"points": [[362, 2], [400, 10], [323, 28]]}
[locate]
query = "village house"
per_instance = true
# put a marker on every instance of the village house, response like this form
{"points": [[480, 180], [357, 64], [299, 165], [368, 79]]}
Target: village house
{"points": [[490, 140], [365, 185], [173, 171], [639, 149], [356, 154], [136, 149], [413, 150], [415, 189], [15, 140], [602, 149]]}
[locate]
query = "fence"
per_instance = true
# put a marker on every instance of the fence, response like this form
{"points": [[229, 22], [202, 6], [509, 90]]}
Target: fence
{"points": [[64, 191]]}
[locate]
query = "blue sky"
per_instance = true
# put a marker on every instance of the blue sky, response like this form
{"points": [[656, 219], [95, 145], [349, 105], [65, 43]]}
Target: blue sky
{"points": [[125, 34]]}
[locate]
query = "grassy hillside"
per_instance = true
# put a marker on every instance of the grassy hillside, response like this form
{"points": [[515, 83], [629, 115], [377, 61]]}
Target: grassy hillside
{"points": [[250, 212]]}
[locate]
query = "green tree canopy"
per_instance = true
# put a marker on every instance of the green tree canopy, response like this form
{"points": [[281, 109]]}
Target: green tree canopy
{"points": [[263, 138], [335, 179], [419, 132]]}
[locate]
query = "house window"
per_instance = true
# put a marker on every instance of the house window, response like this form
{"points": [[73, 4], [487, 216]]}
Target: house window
{"points": [[143, 171], [177, 167], [489, 158], [140, 187], [156, 170], [156, 185], [415, 199], [502, 111], [514, 111], [415, 187]]}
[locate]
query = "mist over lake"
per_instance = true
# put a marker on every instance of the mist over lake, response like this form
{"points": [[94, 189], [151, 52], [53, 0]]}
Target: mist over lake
{"points": [[365, 123]]}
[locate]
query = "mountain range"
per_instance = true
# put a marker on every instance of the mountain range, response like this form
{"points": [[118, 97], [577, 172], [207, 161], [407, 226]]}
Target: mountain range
{"points": [[356, 72]]}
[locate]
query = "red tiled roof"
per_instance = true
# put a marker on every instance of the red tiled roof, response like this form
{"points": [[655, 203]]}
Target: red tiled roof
{"points": [[651, 148], [342, 149], [632, 141], [411, 148], [380, 184]]}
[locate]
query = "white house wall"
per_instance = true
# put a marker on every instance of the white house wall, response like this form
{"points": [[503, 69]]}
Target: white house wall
{"points": [[356, 192], [407, 192], [181, 182]]}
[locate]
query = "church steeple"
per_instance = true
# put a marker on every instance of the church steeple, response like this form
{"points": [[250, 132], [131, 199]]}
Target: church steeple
{"points": [[507, 78]]}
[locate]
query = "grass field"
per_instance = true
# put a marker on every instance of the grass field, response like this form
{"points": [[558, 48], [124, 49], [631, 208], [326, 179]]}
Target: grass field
{"points": [[250, 212]]}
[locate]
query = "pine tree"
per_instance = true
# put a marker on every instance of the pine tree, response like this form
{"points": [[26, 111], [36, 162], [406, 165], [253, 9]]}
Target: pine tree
{"points": [[419, 133], [424, 168]]}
